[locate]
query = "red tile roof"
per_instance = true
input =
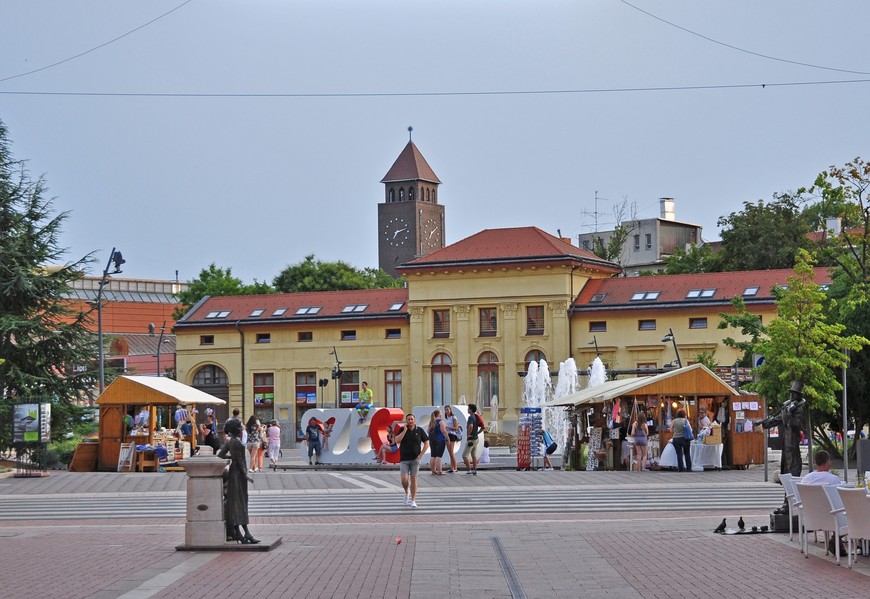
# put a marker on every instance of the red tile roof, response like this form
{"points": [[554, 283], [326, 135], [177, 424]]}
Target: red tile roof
{"points": [[514, 246], [331, 303], [410, 166], [673, 289]]}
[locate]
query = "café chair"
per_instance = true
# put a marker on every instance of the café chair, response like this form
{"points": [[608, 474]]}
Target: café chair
{"points": [[822, 511], [857, 505]]}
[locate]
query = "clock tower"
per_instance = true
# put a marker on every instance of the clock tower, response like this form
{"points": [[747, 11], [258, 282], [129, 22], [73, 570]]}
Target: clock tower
{"points": [[410, 220]]}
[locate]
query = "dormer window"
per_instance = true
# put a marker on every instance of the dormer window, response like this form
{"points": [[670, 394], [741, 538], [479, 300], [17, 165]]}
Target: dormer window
{"points": [[279, 312], [597, 298], [645, 296], [354, 308], [257, 312], [396, 307], [700, 293], [307, 310], [750, 291]]}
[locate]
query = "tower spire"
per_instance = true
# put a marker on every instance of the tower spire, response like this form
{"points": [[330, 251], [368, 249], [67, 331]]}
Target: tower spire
{"points": [[410, 129]]}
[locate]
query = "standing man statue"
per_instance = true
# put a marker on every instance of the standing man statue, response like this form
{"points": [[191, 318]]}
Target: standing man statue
{"points": [[789, 420]]}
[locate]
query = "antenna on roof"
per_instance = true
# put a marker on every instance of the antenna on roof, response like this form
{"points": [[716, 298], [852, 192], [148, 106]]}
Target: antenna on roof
{"points": [[409, 133]]}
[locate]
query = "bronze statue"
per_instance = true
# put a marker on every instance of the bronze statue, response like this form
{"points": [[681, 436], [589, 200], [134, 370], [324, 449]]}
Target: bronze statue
{"points": [[236, 484], [789, 420]]}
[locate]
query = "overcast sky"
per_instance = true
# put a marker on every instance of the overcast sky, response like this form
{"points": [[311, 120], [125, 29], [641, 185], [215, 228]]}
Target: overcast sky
{"points": [[252, 133]]}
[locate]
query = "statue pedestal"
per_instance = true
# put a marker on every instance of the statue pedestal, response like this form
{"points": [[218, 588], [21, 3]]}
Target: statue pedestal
{"points": [[205, 529], [779, 523]]}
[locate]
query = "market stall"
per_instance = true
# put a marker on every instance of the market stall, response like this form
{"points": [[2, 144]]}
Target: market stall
{"points": [[138, 412], [693, 388]]}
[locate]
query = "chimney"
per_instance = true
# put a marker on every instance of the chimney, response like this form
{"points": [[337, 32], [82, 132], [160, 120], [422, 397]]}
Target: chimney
{"points": [[567, 240], [832, 226], [667, 209]]}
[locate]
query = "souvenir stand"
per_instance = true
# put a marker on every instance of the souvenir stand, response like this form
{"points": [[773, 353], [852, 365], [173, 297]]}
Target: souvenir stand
{"points": [[137, 411], [660, 396]]}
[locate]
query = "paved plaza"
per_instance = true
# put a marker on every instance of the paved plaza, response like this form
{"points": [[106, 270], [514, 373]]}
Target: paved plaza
{"points": [[368, 550]]}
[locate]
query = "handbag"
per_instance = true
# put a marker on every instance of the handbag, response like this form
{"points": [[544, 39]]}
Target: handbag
{"points": [[687, 431]]}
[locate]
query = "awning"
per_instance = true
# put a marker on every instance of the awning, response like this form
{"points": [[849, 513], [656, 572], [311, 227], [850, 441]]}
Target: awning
{"points": [[153, 390], [696, 379]]}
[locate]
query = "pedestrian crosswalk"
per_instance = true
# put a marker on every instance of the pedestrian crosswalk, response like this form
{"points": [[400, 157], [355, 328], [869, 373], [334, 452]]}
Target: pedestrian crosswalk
{"points": [[388, 500]]}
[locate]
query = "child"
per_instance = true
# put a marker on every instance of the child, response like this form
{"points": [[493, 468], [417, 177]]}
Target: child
{"points": [[389, 447]]}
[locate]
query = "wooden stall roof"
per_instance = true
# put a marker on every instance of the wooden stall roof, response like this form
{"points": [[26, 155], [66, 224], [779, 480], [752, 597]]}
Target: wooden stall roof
{"points": [[153, 390], [696, 379]]}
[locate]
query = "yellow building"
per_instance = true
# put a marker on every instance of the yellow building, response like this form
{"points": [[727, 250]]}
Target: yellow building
{"points": [[472, 315]]}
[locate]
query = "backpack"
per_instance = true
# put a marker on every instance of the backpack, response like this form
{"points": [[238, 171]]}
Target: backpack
{"points": [[478, 425]]}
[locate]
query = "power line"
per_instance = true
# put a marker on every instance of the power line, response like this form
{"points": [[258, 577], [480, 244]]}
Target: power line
{"points": [[737, 48], [103, 45], [610, 90]]}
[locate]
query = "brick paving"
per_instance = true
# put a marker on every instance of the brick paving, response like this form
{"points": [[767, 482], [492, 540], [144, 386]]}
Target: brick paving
{"points": [[613, 555]]}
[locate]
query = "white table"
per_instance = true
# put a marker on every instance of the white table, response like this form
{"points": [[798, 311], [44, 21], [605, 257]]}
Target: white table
{"points": [[702, 455]]}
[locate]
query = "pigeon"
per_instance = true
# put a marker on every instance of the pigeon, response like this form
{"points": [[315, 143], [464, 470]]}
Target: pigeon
{"points": [[721, 527], [740, 523]]}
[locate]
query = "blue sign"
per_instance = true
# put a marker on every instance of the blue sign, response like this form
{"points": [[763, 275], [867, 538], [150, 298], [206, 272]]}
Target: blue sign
{"points": [[530, 410]]}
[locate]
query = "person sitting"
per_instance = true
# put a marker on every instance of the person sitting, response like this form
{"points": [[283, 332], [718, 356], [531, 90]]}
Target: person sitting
{"points": [[821, 475], [389, 447], [365, 402]]}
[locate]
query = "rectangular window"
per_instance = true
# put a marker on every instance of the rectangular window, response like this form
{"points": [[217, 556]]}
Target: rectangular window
{"points": [[264, 396], [306, 398], [535, 320], [306, 378], [206, 339], [441, 323], [393, 388], [637, 243], [348, 335], [349, 388], [646, 325], [279, 312], [257, 312], [750, 292], [488, 322], [598, 326], [394, 333], [698, 323], [597, 298], [651, 366], [304, 336], [649, 241], [264, 337]]}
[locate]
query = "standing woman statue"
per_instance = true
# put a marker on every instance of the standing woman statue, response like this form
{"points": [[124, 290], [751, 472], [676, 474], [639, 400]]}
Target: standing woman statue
{"points": [[236, 484], [790, 420]]}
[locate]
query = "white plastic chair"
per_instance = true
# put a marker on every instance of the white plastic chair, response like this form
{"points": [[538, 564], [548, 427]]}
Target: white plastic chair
{"points": [[822, 512], [794, 502], [857, 505]]}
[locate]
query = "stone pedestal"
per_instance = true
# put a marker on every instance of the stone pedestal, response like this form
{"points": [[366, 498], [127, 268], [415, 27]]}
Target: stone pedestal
{"points": [[205, 503]]}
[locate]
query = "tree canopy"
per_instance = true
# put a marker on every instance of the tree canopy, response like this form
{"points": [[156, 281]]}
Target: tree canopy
{"points": [[764, 235], [215, 281], [315, 275], [42, 341]]}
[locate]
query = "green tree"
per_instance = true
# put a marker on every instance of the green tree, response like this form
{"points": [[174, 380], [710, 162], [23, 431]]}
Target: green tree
{"points": [[696, 259], [612, 250], [802, 345], [316, 275], [764, 235], [748, 324], [42, 340], [843, 192], [215, 281]]}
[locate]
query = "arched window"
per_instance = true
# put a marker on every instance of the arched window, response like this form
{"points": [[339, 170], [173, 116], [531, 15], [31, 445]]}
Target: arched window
{"points": [[442, 380], [411, 194], [401, 194], [214, 381], [487, 376], [210, 375], [535, 355], [392, 195], [428, 195]]}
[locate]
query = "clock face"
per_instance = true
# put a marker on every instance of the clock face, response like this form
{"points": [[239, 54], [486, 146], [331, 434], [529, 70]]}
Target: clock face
{"points": [[432, 234], [397, 231]]}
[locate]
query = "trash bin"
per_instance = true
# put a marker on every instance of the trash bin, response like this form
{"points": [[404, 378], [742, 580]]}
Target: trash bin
{"points": [[863, 447]]}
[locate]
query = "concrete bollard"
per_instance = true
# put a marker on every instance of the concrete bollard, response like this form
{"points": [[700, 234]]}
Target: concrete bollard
{"points": [[205, 527]]}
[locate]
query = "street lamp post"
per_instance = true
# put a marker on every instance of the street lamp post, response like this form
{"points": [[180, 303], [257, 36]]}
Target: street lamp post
{"points": [[116, 258], [670, 337], [160, 341]]}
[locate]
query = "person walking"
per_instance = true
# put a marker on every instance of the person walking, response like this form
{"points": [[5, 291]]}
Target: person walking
{"points": [[254, 441], [681, 441], [413, 443], [438, 439], [454, 434], [470, 454], [273, 434]]}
